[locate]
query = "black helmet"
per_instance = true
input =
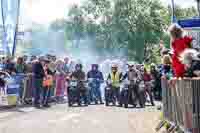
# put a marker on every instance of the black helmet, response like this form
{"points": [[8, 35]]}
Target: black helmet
{"points": [[79, 65], [95, 65]]}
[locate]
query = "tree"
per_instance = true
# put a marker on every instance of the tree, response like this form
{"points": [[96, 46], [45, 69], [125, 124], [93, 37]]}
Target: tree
{"points": [[57, 25], [134, 25], [198, 6]]}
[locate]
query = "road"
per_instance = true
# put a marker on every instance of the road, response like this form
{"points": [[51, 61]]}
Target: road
{"points": [[92, 119]]}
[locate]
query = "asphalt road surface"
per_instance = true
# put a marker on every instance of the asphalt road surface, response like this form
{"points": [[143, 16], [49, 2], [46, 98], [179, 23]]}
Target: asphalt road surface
{"points": [[92, 119]]}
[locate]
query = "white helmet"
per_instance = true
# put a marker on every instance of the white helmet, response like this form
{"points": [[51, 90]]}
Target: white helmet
{"points": [[114, 65]]}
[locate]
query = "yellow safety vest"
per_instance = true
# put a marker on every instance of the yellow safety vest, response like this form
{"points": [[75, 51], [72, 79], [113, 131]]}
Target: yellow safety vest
{"points": [[115, 79]]}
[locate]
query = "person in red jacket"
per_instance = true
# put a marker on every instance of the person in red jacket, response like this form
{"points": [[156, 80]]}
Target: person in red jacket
{"points": [[178, 45]]}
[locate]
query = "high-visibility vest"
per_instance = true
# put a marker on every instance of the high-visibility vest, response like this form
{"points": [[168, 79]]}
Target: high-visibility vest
{"points": [[115, 79]]}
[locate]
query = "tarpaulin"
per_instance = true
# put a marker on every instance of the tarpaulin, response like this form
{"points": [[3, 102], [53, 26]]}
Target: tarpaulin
{"points": [[10, 14], [190, 23]]}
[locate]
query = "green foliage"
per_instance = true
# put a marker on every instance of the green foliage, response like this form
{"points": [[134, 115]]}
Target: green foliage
{"points": [[135, 25]]}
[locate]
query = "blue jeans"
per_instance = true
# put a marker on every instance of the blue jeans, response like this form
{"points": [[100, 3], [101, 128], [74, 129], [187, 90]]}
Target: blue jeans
{"points": [[46, 95], [97, 94], [38, 90]]}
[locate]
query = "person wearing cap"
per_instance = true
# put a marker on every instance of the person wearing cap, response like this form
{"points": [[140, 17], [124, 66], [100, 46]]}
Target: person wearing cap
{"points": [[178, 44], [116, 77], [167, 67], [97, 75]]}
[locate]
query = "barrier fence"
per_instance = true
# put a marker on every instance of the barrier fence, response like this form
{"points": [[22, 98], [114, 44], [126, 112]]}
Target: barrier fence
{"points": [[181, 103], [22, 90]]}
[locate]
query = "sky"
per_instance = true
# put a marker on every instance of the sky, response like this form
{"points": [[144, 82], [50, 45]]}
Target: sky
{"points": [[46, 11]]}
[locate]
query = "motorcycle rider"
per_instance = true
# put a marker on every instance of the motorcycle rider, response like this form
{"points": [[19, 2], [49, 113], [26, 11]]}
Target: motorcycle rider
{"points": [[80, 76], [95, 85], [134, 77], [115, 76]]}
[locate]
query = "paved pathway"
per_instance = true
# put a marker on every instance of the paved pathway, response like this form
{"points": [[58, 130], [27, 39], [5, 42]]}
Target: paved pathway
{"points": [[92, 119]]}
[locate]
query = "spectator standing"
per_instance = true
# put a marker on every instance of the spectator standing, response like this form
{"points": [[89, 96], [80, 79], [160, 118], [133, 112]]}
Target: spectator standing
{"points": [[60, 81], [38, 73], [20, 66]]}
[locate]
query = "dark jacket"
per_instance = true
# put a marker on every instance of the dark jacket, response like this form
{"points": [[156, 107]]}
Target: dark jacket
{"points": [[95, 74], [167, 71], [195, 66], [10, 67], [38, 71], [79, 75]]}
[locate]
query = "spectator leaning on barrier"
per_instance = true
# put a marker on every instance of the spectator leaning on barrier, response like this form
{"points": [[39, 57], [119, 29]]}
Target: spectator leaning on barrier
{"points": [[39, 74], [156, 76], [191, 59], [10, 66], [20, 66], [167, 68]]}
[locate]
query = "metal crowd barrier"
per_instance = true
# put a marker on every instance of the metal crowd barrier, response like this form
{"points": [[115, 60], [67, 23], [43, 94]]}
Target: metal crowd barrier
{"points": [[25, 93], [28, 93], [181, 103]]}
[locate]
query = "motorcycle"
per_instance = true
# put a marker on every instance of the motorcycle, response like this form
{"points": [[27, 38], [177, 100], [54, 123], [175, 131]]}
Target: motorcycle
{"points": [[131, 94], [124, 94], [72, 93], [77, 92], [83, 89], [142, 93], [109, 94]]}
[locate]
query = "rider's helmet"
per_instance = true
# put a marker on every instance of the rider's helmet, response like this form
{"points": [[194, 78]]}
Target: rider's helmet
{"points": [[78, 66], [152, 67], [131, 65], [95, 66], [114, 67]]}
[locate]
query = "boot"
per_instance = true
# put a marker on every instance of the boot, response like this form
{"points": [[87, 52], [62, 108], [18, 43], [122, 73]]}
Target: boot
{"points": [[46, 105], [160, 125]]}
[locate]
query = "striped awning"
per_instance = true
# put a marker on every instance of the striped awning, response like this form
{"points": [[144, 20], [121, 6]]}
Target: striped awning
{"points": [[190, 23]]}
